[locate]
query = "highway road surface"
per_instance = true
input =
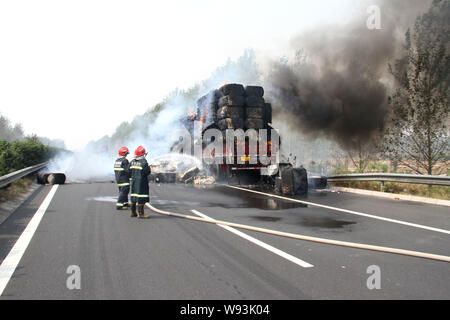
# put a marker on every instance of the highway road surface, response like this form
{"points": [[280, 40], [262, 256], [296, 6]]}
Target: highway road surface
{"points": [[69, 242]]}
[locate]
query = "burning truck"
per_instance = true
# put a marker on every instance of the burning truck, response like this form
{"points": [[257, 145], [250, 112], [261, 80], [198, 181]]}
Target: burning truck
{"points": [[240, 158]]}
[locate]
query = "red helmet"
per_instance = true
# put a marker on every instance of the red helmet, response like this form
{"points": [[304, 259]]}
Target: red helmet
{"points": [[123, 151], [140, 151]]}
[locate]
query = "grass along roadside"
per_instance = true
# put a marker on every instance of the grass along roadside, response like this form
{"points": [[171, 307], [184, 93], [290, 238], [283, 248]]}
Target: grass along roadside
{"points": [[420, 190], [16, 188]]}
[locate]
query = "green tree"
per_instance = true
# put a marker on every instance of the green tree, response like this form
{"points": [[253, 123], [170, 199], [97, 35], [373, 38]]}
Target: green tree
{"points": [[9, 132], [418, 136], [17, 155]]}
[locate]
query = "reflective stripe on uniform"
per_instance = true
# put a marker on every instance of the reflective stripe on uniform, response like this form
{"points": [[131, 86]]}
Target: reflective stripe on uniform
{"points": [[119, 204], [119, 169], [123, 184], [139, 195], [136, 167]]}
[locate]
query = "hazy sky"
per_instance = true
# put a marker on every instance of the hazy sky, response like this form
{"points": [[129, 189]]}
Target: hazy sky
{"points": [[74, 70]]}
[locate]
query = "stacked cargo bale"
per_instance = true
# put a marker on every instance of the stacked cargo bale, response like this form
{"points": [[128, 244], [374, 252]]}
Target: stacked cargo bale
{"points": [[267, 113], [234, 106], [230, 114], [258, 113], [254, 107], [208, 105]]}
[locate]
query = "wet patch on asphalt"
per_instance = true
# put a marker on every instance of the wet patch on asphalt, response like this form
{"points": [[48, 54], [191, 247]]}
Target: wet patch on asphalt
{"points": [[270, 204], [325, 223], [310, 222], [242, 199], [103, 199], [266, 218]]}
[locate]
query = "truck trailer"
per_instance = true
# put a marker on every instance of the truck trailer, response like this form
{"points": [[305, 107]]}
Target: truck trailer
{"points": [[235, 113]]}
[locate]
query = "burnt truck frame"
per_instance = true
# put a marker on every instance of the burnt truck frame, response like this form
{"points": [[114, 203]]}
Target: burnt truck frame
{"points": [[239, 160], [230, 153], [237, 164]]}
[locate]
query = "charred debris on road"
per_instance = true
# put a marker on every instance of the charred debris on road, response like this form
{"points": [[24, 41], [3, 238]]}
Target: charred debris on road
{"points": [[50, 178]]}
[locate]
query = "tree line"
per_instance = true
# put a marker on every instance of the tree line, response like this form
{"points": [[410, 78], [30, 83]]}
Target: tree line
{"points": [[18, 151], [418, 137], [17, 155]]}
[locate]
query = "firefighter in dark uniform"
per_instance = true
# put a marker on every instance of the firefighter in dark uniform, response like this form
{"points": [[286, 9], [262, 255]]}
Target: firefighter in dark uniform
{"points": [[121, 170], [139, 170]]}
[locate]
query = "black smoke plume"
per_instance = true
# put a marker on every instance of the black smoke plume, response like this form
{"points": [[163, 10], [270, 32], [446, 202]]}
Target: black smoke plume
{"points": [[337, 84]]}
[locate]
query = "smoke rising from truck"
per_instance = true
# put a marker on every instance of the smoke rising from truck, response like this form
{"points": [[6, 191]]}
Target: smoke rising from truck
{"points": [[337, 83], [336, 86], [95, 161]]}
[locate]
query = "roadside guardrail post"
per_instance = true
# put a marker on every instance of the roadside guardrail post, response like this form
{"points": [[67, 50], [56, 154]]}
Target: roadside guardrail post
{"points": [[393, 177], [9, 178]]}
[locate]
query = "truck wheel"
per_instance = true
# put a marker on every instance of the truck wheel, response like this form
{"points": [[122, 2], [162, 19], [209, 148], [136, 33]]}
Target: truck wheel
{"points": [[233, 179], [300, 178], [287, 182]]}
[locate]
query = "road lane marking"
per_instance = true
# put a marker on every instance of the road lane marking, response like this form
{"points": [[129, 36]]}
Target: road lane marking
{"points": [[346, 211], [13, 258], [355, 245], [264, 245]]}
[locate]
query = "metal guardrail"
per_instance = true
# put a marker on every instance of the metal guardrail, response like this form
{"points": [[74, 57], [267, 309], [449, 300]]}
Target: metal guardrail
{"points": [[11, 177], [393, 177]]}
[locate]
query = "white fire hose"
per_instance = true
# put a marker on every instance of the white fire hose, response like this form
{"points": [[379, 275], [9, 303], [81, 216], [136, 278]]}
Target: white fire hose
{"points": [[305, 238]]}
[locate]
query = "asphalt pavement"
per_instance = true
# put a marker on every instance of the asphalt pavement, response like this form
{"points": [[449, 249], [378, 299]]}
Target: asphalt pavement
{"points": [[169, 258]]}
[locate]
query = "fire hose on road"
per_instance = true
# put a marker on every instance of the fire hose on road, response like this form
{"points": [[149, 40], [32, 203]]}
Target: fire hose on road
{"points": [[417, 254]]}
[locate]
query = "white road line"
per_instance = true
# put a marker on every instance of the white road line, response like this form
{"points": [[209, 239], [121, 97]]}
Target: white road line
{"points": [[363, 246], [264, 245], [10, 263], [347, 211]]}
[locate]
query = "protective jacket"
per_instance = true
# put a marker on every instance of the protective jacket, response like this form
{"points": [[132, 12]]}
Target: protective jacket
{"points": [[122, 172], [139, 170]]}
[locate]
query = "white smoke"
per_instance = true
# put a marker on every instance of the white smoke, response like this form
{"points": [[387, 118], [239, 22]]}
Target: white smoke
{"points": [[156, 133], [88, 165], [165, 130], [95, 162]]}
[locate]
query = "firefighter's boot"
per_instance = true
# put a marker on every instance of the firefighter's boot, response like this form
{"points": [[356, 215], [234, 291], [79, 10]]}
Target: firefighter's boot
{"points": [[133, 213], [122, 206], [141, 214]]}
